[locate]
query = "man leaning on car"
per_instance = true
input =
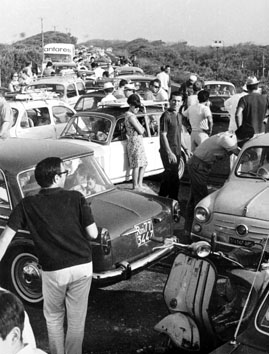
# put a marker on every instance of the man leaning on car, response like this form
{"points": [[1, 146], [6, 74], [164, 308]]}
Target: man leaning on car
{"points": [[61, 224]]}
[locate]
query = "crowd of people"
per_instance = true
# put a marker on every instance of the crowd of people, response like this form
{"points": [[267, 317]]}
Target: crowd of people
{"points": [[67, 269]]}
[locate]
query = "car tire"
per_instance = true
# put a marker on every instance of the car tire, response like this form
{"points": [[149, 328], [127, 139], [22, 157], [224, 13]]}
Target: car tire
{"points": [[24, 275]]}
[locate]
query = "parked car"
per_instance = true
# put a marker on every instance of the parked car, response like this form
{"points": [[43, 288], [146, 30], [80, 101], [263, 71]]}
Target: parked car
{"points": [[104, 128], [238, 212], [38, 115], [68, 87], [255, 338], [130, 224], [219, 91], [128, 70]]}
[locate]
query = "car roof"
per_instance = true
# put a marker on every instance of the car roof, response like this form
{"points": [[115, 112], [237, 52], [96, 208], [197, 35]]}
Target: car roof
{"points": [[56, 80], [260, 140], [216, 82], [20, 154]]}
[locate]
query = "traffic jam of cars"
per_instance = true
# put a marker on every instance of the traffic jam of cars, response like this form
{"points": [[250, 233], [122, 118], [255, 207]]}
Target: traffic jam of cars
{"points": [[218, 284]]}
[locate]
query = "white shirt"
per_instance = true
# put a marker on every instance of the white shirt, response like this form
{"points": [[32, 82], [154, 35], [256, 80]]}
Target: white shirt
{"points": [[164, 78]]}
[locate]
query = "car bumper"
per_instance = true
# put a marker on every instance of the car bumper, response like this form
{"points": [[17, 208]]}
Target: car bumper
{"points": [[125, 270]]}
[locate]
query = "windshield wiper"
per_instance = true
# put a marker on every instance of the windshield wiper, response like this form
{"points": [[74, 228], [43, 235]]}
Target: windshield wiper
{"points": [[254, 174]]}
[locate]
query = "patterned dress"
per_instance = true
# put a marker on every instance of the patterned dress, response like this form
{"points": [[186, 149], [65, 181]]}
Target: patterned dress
{"points": [[135, 148]]}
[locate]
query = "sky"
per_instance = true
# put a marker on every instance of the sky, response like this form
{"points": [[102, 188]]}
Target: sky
{"points": [[199, 22]]}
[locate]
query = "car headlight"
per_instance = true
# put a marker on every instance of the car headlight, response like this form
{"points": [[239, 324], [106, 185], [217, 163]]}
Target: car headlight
{"points": [[201, 214], [201, 248]]}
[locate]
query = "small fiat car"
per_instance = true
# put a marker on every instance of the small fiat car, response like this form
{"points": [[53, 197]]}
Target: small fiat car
{"points": [[130, 224], [104, 129], [38, 116], [237, 213]]}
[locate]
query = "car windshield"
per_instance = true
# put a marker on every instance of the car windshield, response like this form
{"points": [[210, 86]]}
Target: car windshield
{"points": [[220, 89], [92, 128], [254, 163], [84, 175], [262, 318]]}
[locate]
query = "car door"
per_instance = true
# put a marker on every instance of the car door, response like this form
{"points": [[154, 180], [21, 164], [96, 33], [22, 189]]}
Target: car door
{"points": [[36, 123], [61, 115], [72, 94], [151, 139], [119, 170]]}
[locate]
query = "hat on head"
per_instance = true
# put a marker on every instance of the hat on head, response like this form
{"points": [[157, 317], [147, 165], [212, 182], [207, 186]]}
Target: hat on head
{"points": [[252, 80], [129, 87], [108, 85], [193, 78]]}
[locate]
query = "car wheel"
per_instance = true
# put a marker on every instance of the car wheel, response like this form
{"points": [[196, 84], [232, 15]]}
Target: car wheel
{"points": [[24, 275], [181, 166]]}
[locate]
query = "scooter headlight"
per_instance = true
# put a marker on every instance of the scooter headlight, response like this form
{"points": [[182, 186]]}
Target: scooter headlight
{"points": [[201, 248], [201, 214]]}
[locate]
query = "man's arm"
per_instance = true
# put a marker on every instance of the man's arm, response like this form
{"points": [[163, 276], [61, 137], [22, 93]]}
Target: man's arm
{"points": [[5, 239], [239, 116], [92, 231], [171, 156]]}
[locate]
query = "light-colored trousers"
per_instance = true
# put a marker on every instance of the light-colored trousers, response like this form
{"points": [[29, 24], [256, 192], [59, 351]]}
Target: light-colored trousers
{"points": [[66, 291]]}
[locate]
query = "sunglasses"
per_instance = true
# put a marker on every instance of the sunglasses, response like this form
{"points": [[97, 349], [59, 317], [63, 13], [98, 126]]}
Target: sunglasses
{"points": [[63, 173], [156, 86]]}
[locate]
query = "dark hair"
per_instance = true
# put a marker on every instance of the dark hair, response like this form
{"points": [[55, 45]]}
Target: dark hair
{"points": [[152, 82], [197, 86], [176, 93], [11, 313], [46, 170], [49, 63], [252, 87], [109, 90], [134, 100], [203, 96], [105, 73], [123, 82], [244, 132]]}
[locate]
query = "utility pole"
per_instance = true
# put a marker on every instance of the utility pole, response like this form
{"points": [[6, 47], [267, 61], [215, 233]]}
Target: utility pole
{"points": [[42, 39], [217, 45], [263, 68]]}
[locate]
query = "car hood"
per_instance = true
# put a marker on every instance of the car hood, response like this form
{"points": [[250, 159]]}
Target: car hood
{"points": [[250, 199], [119, 210]]}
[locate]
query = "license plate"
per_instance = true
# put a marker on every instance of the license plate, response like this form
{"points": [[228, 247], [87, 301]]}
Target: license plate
{"points": [[238, 242], [144, 232]]}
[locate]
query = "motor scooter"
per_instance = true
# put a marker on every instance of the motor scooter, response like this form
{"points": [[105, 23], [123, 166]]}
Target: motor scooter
{"points": [[206, 292]]}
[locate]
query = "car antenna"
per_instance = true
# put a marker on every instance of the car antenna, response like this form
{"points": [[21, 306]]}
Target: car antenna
{"points": [[234, 340]]}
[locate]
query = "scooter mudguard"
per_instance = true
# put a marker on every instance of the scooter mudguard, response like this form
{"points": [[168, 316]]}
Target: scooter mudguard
{"points": [[181, 329]]}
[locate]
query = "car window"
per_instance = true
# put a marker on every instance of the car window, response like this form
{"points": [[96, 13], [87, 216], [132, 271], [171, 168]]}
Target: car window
{"points": [[28, 183], [71, 91], [220, 89], [38, 116], [92, 128], [87, 103], [81, 88], [61, 114], [4, 200], [119, 133], [25, 121], [254, 162]]}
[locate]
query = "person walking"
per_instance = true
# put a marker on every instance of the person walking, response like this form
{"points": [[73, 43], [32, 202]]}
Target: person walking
{"points": [[170, 146], [61, 225], [135, 148], [164, 77], [200, 118], [251, 109], [6, 115], [204, 157]]}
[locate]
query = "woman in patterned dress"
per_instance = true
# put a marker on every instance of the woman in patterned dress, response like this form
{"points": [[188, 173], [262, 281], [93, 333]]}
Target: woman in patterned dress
{"points": [[135, 148]]}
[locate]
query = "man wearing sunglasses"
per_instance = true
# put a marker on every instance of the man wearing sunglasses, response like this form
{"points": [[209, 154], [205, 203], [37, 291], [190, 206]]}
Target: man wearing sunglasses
{"points": [[61, 225], [156, 92]]}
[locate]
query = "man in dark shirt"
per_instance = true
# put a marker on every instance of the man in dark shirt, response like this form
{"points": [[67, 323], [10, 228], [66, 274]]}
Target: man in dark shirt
{"points": [[170, 146], [61, 224], [251, 108]]}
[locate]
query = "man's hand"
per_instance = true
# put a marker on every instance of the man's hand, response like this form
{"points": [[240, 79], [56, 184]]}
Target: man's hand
{"points": [[172, 158]]}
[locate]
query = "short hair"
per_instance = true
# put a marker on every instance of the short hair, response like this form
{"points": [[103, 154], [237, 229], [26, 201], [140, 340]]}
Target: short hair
{"points": [[11, 313], [46, 170], [134, 100], [176, 93], [252, 87], [197, 86], [203, 96], [152, 82], [109, 89], [123, 82], [105, 73]]}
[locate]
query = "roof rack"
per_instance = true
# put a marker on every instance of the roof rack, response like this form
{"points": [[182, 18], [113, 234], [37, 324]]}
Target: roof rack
{"points": [[33, 95], [124, 104]]}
